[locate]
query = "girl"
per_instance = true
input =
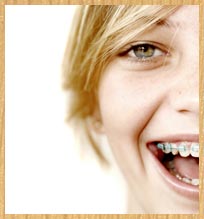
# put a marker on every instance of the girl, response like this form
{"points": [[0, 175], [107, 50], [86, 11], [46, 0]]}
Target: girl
{"points": [[133, 74]]}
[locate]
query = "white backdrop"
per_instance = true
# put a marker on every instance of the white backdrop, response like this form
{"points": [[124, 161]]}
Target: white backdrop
{"points": [[44, 173]]}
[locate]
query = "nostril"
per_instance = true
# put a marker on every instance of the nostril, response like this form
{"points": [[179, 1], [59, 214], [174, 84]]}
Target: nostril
{"points": [[183, 111], [186, 105]]}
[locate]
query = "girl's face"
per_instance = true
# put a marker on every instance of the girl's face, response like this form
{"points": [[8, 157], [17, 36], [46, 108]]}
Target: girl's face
{"points": [[149, 100]]}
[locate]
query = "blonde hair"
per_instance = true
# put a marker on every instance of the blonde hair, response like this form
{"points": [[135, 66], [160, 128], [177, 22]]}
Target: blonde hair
{"points": [[99, 32]]}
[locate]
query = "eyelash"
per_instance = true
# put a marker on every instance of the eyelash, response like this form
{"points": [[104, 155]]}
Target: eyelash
{"points": [[132, 57]]}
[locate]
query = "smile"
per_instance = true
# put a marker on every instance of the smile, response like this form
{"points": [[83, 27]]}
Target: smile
{"points": [[177, 160]]}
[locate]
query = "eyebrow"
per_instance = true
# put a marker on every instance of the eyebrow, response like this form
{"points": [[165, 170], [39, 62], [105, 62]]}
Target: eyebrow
{"points": [[168, 24]]}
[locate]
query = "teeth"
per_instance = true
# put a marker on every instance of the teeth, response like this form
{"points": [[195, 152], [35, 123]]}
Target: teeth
{"points": [[186, 180], [195, 182], [167, 148], [178, 176], [184, 148], [174, 149], [160, 146], [170, 166], [195, 149]]}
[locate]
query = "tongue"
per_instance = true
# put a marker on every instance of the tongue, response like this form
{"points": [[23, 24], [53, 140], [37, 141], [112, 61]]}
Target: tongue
{"points": [[187, 166]]}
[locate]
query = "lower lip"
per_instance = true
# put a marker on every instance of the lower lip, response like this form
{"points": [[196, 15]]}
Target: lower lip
{"points": [[187, 190]]}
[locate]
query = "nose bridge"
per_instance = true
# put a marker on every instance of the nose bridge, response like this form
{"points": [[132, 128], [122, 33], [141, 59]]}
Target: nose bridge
{"points": [[184, 94]]}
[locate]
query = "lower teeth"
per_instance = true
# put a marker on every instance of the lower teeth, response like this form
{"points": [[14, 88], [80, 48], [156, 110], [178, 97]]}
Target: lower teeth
{"points": [[170, 166]]}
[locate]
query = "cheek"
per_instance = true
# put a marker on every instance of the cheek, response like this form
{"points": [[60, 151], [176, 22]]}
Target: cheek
{"points": [[126, 105]]}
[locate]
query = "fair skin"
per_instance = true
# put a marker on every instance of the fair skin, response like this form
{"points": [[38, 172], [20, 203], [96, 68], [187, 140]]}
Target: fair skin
{"points": [[157, 100]]}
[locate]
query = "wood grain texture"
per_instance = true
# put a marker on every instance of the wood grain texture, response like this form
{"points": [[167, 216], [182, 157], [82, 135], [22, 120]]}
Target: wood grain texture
{"points": [[103, 216], [99, 2], [2, 109], [2, 114], [201, 92]]}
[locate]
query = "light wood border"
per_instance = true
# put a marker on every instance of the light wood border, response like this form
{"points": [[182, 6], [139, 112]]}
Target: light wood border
{"points": [[2, 108]]}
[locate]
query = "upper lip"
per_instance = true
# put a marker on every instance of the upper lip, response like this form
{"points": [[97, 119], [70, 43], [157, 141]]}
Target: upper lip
{"points": [[176, 138]]}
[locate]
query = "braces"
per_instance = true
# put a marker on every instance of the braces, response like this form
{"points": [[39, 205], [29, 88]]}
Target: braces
{"points": [[182, 147]]}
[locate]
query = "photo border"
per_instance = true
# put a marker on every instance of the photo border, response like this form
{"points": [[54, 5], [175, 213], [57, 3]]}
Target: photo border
{"points": [[2, 109]]}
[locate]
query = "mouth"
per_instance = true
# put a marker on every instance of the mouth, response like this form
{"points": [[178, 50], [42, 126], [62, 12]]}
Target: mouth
{"points": [[177, 160]]}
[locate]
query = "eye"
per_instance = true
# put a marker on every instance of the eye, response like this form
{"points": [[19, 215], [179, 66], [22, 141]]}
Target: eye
{"points": [[145, 56], [145, 51]]}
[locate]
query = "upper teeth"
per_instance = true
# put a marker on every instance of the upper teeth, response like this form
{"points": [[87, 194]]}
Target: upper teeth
{"points": [[183, 148]]}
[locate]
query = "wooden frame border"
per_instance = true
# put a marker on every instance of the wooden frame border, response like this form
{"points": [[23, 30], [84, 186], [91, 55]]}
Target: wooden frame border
{"points": [[2, 108]]}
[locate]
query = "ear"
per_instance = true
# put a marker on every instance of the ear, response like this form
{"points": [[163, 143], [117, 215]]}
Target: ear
{"points": [[96, 123]]}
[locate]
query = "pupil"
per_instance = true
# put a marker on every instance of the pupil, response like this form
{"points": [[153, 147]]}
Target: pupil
{"points": [[144, 51], [143, 48]]}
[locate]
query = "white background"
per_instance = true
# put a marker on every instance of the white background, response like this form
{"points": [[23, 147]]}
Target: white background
{"points": [[44, 172]]}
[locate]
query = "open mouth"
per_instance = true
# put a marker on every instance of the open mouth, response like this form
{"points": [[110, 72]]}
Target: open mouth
{"points": [[178, 162]]}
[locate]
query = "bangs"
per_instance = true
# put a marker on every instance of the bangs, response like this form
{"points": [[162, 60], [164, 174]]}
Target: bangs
{"points": [[129, 22], [122, 25]]}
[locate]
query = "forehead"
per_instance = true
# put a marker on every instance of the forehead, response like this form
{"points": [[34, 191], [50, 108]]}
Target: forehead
{"points": [[186, 16]]}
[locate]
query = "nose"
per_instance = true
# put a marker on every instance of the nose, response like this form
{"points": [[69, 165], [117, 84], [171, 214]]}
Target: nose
{"points": [[184, 95]]}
